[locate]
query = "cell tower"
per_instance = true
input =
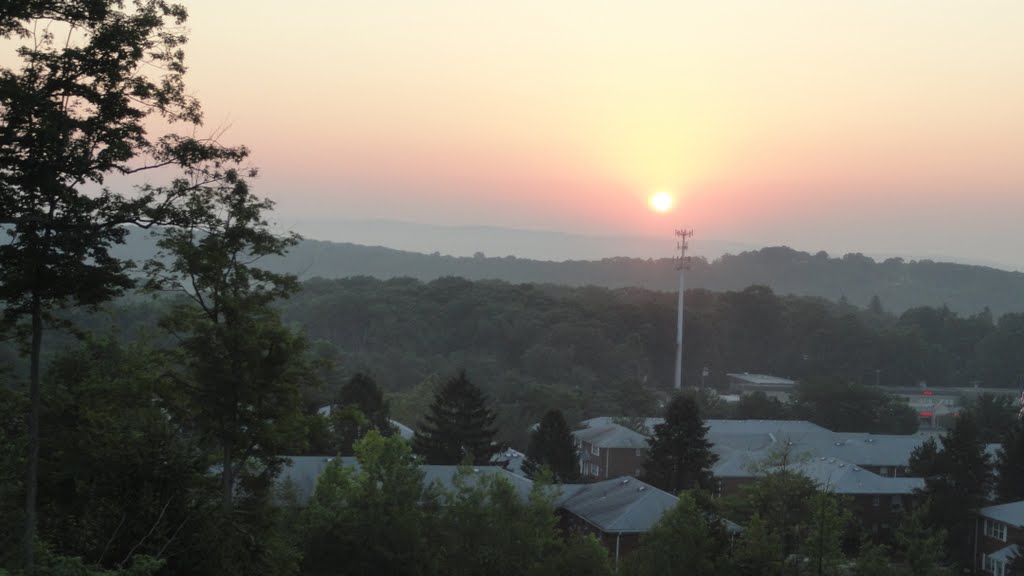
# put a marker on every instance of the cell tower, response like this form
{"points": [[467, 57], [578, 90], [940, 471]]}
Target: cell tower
{"points": [[682, 243]]}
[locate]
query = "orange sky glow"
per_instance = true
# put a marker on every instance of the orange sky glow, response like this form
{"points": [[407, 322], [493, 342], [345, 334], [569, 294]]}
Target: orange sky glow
{"points": [[879, 127]]}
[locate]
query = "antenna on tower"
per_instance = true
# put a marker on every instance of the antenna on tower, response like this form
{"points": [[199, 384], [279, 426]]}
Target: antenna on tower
{"points": [[683, 244], [682, 264]]}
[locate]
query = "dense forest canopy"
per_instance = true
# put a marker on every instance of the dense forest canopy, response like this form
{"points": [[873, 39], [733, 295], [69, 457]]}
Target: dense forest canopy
{"points": [[598, 351]]}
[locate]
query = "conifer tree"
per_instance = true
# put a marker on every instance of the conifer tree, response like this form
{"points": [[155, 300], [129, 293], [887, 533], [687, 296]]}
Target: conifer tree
{"points": [[959, 484], [551, 445], [1010, 464], [458, 427], [680, 456]]}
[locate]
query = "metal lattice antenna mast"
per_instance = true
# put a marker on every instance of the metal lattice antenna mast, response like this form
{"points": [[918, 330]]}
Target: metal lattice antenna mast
{"points": [[682, 264]]}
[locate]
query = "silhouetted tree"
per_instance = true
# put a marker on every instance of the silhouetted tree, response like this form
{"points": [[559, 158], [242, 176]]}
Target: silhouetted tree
{"points": [[994, 415], [551, 446], [845, 406], [458, 426], [1010, 465], [958, 485], [362, 391], [243, 366], [93, 73], [680, 456]]}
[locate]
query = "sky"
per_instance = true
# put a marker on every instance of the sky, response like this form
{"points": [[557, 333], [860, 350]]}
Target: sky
{"points": [[885, 127]]}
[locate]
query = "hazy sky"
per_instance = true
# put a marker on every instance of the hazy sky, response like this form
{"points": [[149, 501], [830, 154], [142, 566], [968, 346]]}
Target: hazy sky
{"points": [[892, 126]]}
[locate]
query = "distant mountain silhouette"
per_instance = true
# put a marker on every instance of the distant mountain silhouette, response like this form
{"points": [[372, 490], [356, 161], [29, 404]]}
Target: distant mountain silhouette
{"points": [[899, 284]]}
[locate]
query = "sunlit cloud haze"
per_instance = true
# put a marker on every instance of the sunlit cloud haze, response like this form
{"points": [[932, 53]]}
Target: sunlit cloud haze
{"points": [[890, 128]]}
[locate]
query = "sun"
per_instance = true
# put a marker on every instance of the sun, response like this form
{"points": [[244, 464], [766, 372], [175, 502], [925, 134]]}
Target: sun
{"points": [[660, 201]]}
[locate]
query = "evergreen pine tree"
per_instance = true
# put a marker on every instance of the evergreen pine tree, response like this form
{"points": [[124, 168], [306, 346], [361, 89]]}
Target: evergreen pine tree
{"points": [[458, 426], [960, 483], [680, 456], [551, 445], [1010, 485]]}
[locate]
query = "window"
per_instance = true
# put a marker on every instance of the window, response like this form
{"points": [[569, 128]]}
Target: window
{"points": [[995, 530], [884, 471], [639, 451], [595, 450], [876, 501], [595, 470], [896, 503]]}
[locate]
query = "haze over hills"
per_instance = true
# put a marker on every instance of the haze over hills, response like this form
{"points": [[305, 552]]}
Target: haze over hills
{"points": [[900, 284]]}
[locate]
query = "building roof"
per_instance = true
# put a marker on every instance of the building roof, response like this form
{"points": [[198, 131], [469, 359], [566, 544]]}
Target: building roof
{"points": [[624, 505], [621, 505], [648, 424], [444, 476], [760, 379], [1006, 553], [511, 460], [301, 474], [611, 435], [1011, 513], [804, 437], [832, 474]]}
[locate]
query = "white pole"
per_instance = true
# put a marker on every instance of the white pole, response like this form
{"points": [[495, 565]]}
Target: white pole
{"points": [[679, 333], [683, 236]]}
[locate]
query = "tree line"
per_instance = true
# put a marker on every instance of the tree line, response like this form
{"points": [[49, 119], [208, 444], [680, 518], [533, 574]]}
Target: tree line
{"points": [[594, 351]]}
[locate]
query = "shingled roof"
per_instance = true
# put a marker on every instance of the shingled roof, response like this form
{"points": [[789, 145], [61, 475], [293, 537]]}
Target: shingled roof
{"points": [[611, 435], [622, 505], [1011, 513]]}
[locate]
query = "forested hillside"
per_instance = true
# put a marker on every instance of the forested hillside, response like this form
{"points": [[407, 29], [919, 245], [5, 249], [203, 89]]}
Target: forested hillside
{"points": [[596, 351], [899, 284]]}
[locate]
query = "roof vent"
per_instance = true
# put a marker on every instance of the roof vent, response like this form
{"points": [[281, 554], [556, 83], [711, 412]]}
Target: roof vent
{"points": [[839, 443], [823, 458], [855, 469], [640, 489], [476, 470], [842, 465], [625, 481], [831, 460]]}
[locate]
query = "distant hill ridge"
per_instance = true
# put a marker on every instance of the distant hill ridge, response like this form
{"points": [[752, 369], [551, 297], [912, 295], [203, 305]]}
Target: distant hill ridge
{"points": [[899, 284]]}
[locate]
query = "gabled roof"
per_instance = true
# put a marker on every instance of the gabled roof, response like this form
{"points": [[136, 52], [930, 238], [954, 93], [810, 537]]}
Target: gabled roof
{"points": [[624, 505], [1006, 553], [831, 474], [1011, 513], [611, 435], [444, 476]]}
